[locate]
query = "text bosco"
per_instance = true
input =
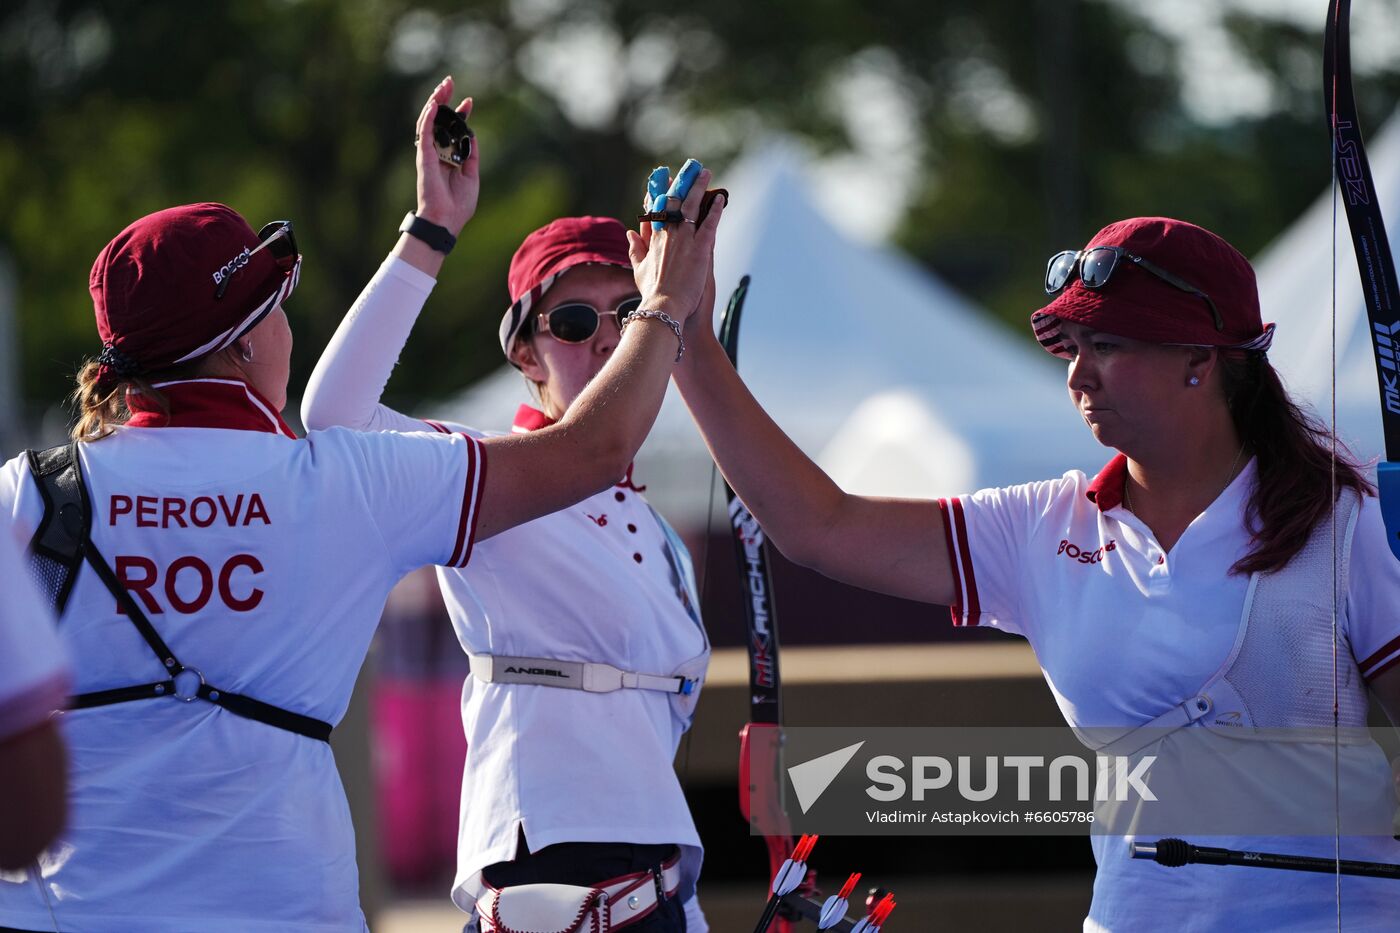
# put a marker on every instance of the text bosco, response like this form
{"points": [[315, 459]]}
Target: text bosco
{"points": [[1074, 552]]}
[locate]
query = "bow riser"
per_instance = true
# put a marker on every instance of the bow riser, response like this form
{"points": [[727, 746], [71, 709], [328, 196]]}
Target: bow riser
{"points": [[760, 797], [1374, 259]]}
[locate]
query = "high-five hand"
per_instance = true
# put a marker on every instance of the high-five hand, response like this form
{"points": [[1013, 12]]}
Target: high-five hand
{"points": [[671, 265]]}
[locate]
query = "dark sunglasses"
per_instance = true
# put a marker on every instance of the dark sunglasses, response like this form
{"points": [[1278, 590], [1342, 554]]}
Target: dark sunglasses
{"points": [[279, 241], [577, 322], [1097, 263]]}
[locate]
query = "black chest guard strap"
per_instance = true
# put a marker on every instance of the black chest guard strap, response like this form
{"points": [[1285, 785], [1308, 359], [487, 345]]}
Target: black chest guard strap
{"points": [[59, 548]]}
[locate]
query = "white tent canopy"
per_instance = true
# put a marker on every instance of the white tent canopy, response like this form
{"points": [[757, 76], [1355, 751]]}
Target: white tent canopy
{"points": [[1295, 290], [889, 379]]}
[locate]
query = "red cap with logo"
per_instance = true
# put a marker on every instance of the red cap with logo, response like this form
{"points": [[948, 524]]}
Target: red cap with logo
{"points": [[551, 251], [1141, 304], [182, 283]]}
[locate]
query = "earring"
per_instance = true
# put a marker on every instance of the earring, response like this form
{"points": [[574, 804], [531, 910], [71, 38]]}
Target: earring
{"points": [[248, 353], [1193, 381]]}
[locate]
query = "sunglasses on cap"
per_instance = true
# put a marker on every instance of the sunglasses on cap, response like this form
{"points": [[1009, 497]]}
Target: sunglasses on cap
{"points": [[1096, 264], [281, 244], [577, 321]]}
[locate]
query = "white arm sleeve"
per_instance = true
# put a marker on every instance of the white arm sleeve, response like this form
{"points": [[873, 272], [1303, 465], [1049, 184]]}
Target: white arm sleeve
{"points": [[350, 377]]}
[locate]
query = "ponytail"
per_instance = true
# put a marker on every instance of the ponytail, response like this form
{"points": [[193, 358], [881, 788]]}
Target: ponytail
{"points": [[1294, 461], [100, 398], [100, 401]]}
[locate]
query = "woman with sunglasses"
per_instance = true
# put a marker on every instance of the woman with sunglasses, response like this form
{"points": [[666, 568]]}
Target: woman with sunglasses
{"points": [[1190, 581], [241, 570], [560, 785]]}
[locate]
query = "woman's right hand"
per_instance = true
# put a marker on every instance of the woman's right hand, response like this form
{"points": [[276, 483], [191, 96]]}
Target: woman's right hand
{"points": [[672, 265], [447, 194]]}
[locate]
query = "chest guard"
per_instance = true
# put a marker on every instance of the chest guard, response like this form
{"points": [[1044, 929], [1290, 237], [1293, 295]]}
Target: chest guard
{"points": [[1279, 673]]}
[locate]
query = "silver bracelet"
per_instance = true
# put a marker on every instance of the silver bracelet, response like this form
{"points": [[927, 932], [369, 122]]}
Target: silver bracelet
{"points": [[664, 318]]}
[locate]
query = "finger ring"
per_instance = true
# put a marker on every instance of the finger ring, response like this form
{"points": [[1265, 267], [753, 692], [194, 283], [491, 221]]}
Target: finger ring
{"points": [[689, 221]]}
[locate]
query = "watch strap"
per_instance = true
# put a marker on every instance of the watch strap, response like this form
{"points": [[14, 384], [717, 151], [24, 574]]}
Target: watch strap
{"points": [[434, 235]]}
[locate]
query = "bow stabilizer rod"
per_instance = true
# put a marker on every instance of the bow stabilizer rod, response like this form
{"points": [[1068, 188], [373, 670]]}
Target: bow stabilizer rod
{"points": [[1175, 853]]}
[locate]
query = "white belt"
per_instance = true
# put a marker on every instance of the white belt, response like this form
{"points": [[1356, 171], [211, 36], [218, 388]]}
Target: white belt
{"points": [[569, 908], [591, 676]]}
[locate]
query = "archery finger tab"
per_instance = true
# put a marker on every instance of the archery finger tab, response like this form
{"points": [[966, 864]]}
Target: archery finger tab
{"points": [[658, 207], [681, 185], [712, 199], [657, 183]]}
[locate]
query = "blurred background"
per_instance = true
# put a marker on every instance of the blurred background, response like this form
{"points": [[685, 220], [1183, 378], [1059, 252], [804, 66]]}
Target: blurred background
{"points": [[899, 172]]}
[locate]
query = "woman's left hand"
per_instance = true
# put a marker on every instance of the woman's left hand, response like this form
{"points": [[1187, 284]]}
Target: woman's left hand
{"points": [[447, 194]]}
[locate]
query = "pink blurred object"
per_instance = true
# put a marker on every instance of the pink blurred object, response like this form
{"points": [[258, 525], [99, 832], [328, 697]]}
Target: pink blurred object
{"points": [[416, 733], [418, 755]]}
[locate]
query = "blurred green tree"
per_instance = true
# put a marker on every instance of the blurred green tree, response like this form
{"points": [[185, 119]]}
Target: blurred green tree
{"points": [[1029, 123]]}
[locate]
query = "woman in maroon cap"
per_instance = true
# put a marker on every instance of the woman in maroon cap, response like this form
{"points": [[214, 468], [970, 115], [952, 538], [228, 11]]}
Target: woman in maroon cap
{"points": [[566, 781], [241, 570], [1189, 583]]}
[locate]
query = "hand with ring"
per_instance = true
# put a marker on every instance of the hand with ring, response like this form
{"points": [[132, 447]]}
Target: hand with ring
{"points": [[672, 264], [662, 204]]}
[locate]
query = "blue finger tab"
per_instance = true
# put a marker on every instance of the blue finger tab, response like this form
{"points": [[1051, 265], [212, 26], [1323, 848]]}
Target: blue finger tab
{"points": [[657, 183], [658, 204], [680, 188]]}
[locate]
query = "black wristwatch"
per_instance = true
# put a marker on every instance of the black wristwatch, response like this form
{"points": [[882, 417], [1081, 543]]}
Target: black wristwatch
{"points": [[427, 231]]}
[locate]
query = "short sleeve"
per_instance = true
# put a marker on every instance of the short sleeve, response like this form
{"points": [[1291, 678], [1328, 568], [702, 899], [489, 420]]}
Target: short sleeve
{"points": [[424, 493], [987, 534], [18, 496], [33, 670], [1373, 586]]}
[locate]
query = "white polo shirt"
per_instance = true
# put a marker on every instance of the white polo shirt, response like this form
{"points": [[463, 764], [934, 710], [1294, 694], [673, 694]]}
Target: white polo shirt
{"points": [[599, 581], [264, 561], [33, 670], [595, 582], [1124, 630]]}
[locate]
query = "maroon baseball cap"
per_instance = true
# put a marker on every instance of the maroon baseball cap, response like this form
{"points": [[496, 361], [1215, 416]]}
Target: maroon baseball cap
{"points": [[551, 251], [185, 282], [1143, 305]]}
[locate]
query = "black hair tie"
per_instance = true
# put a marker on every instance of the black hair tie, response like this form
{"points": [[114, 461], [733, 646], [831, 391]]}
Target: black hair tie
{"points": [[117, 361]]}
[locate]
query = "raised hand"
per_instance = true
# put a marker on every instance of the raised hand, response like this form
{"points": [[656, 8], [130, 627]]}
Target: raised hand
{"points": [[447, 194], [673, 264]]}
